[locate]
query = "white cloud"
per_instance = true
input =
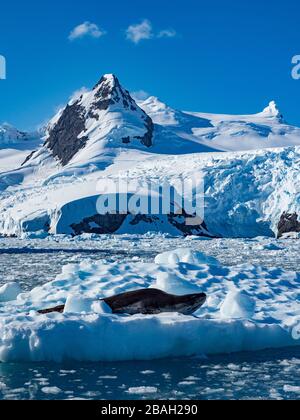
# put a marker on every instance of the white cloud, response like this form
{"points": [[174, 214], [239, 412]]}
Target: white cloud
{"points": [[144, 30], [86, 29], [137, 33], [167, 33]]}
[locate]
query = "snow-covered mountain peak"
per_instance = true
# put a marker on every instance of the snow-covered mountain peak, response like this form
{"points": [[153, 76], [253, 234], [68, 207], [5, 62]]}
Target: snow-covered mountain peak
{"points": [[154, 103], [109, 92], [272, 111], [160, 112], [102, 119], [110, 80], [9, 134]]}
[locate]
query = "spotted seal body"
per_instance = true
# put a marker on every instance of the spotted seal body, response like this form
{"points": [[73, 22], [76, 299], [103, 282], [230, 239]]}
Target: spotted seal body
{"points": [[153, 301], [149, 302]]}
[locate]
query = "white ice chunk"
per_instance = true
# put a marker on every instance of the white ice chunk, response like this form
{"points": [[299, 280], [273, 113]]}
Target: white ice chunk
{"points": [[172, 284], [142, 390], [9, 292], [291, 389], [76, 304], [184, 255], [53, 390], [291, 235], [268, 247], [40, 234], [237, 305], [100, 307]]}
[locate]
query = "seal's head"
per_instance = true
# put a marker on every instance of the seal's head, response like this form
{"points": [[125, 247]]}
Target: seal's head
{"points": [[189, 304]]}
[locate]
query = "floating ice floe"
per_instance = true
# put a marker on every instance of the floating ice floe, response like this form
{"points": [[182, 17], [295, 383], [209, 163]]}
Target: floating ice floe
{"points": [[291, 235], [41, 234], [268, 247], [249, 308], [9, 292], [185, 255]]}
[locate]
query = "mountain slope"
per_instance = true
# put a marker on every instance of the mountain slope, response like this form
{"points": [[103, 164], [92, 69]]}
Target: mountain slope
{"points": [[104, 118], [226, 133], [15, 145]]}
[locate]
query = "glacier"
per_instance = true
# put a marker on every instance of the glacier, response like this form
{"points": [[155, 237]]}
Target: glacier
{"points": [[245, 193]]}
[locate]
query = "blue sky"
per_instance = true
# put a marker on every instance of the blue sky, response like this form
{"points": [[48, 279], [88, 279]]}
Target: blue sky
{"points": [[220, 56]]}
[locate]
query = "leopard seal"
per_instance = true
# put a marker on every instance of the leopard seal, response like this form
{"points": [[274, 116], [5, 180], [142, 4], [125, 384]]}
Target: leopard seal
{"points": [[148, 302]]}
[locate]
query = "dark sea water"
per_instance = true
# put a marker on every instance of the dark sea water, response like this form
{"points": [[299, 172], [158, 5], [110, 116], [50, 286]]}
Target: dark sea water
{"points": [[263, 375]]}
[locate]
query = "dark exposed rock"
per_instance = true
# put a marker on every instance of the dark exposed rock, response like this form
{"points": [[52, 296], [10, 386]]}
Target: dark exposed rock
{"points": [[143, 218], [28, 158], [196, 227], [288, 223], [64, 140], [147, 139], [111, 92], [99, 224], [126, 140], [111, 223]]}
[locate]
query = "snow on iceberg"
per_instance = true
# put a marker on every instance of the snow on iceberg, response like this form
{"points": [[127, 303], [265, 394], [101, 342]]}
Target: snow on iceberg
{"points": [[185, 255], [78, 305], [238, 305], [171, 283], [265, 301]]}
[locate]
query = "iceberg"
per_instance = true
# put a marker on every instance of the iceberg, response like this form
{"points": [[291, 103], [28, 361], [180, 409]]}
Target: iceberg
{"points": [[260, 312]]}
